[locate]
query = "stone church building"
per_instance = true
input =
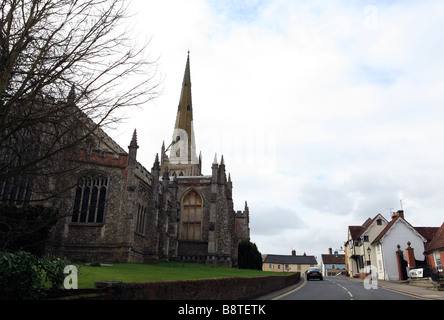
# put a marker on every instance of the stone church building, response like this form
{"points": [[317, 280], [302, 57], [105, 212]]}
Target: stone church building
{"points": [[119, 211]]}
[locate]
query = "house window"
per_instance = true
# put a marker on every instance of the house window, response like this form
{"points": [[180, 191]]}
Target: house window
{"points": [[365, 238], [379, 222], [191, 217], [438, 262], [90, 198]]}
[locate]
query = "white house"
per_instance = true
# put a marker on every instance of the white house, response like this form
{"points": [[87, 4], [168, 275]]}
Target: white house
{"points": [[397, 232], [358, 257]]}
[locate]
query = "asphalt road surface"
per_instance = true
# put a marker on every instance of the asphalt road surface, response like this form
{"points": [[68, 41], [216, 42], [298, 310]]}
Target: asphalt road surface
{"points": [[332, 288]]}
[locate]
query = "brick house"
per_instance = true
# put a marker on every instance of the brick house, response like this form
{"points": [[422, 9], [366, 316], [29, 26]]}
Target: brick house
{"points": [[435, 250]]}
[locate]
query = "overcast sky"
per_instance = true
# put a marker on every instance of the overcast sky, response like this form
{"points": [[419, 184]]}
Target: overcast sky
{"points": [[326, 112]]}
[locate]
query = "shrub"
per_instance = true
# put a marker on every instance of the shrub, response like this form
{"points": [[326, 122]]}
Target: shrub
{"points": [[249, 256], [52, 271], [18, 276], [24, 276]]}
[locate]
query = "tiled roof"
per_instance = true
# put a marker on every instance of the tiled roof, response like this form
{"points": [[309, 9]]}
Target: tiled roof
{"points": [[355, 231], [333, 259], [437, 241], [427, 232], [286, 259]]}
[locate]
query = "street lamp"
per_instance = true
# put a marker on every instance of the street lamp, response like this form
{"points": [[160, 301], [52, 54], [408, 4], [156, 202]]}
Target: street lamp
{"points": [[368, 251]]}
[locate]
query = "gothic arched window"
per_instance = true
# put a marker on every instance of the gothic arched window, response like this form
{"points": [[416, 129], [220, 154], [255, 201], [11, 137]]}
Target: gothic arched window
{"points": [[191, 216], [90, 198], [142, 209]]}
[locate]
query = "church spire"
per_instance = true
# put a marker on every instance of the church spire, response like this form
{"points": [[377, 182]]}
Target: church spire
{"points": [[183, 148]]}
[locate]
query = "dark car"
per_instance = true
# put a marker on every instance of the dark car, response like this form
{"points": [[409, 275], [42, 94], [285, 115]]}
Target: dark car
{"points": [[314, 273]]}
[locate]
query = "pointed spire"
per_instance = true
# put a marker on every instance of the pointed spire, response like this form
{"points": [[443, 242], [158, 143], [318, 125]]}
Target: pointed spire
{"points": [[184, 119]]}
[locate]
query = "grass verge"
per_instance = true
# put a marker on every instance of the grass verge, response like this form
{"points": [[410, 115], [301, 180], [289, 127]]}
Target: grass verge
{"points": [[164, 271]]}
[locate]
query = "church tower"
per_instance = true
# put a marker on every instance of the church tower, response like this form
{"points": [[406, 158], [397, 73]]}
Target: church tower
{"points": [[182, 160]]}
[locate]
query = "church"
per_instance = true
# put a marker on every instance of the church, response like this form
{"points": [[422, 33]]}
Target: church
{"points": [[119, 211]]}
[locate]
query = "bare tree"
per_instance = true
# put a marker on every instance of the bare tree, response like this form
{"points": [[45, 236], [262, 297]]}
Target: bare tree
{"points": [[67, 68]]}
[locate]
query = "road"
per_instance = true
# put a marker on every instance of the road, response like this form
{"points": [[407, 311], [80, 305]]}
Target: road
{"points": [[333, 288]]}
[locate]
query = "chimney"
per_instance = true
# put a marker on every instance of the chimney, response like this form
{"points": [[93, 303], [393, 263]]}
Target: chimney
{"points": [[293, 253], [330, 251], [400, 214]]}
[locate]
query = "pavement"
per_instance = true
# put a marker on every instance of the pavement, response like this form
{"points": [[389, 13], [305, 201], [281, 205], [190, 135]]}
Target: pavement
{"points": [[405, 288]]}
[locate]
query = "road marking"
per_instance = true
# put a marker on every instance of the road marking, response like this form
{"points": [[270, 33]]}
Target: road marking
{"points": [[349, 293], [292, 291]]}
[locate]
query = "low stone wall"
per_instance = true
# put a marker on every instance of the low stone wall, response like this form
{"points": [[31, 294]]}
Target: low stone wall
{"points": [[209, 289]]}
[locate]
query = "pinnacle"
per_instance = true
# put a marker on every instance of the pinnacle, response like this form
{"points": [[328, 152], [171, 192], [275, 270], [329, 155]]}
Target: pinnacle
{"points": [[133, 143]]}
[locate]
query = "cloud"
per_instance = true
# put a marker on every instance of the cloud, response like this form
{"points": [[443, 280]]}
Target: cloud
{"points": [[273, 220], [349, 112], [323, 196]]}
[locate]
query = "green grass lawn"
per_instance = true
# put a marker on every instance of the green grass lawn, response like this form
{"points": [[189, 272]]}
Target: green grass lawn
{"points": [[164, 271]]}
